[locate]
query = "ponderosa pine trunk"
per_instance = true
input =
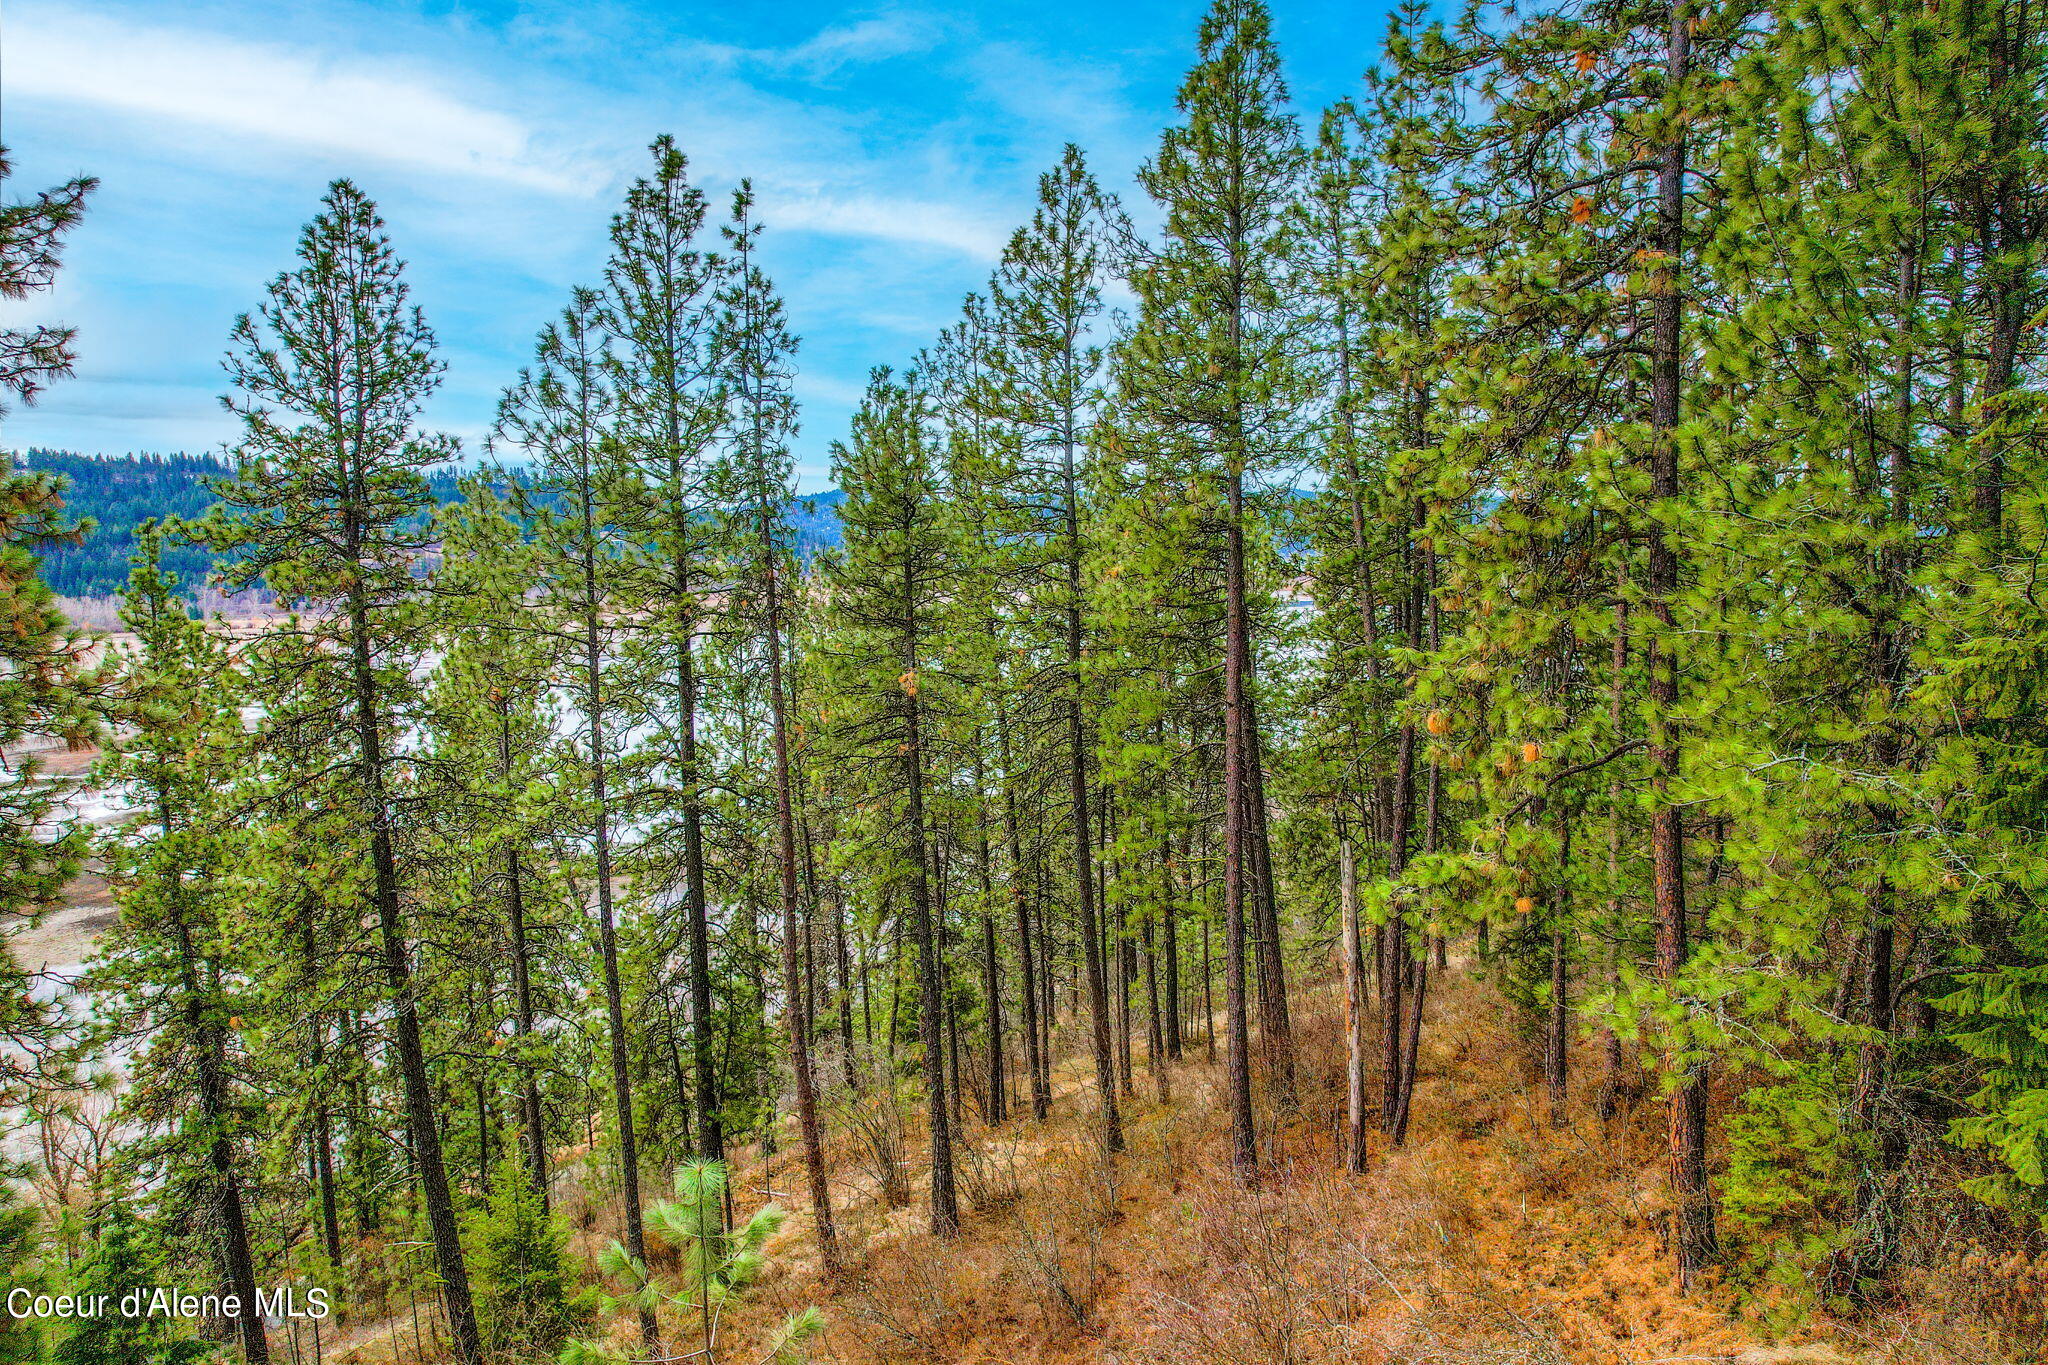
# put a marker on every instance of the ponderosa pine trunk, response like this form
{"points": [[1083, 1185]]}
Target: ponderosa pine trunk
{"points": [[1244, 1156], [1694, 1237], [531, 1118], [210, 1053], [1353, 963], [422, 1128], [321, 1133], [1276, 1027], [797, 1020], [1027, 963], [931, 972], [1393, 937], [1077, 795]]}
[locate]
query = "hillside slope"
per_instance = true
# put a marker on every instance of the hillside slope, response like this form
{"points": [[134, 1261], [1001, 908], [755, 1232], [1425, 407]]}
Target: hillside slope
{"points": [[1490, 1239]]}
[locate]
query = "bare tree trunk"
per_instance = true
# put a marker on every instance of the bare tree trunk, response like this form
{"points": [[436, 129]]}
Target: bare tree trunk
{"points": [[522, 991], [1034, 1054], [1155, 1033], [1208, 994], [1354, 1009], [321, 1134], [1172, 951], [1275, 1026], [1394, 935], [1411, 1049], [931, 971]]}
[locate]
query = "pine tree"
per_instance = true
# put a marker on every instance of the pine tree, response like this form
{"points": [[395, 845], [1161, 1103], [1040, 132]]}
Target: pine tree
{"points": [[718, 1265], [493, 730], [1044, 384], [754, 345], [173, 969], [20, 1261], [120, 1262], [890, 599], [31, 250], [560, 414], [525, 1280], [1212, 353], [659, 309], [43, 691], [331, 372]]}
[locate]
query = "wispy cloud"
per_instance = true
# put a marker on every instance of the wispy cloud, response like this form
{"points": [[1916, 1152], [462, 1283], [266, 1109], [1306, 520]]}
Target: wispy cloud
{"points": [[915, 222], [834, 47], [865, 40], [348, 107]]}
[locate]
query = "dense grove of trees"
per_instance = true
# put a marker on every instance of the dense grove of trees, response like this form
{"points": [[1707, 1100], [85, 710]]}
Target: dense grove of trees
{"points": [[1570, 514], [115, 495]]}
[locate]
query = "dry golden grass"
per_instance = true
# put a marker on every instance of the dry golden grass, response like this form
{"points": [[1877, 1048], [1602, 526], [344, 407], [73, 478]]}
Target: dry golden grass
{"points": [[1492, 1238]]}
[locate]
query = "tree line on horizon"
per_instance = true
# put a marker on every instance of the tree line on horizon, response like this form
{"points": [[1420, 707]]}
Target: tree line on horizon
{"points": [[1659, 638], [109, 496]]}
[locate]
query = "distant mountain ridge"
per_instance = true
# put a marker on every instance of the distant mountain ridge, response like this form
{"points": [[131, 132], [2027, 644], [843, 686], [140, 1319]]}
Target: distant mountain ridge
{"points": [[118, 492]]}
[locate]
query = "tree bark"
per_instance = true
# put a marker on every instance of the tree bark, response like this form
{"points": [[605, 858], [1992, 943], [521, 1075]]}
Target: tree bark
{"points": [[785, 856], [1244, 1155], [1694, 1237], [1354, 1008]]}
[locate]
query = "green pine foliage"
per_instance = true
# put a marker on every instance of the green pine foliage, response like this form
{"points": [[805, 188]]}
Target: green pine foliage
{"points": [[718, 1264], [526, 1281], [1564, 518], [21, 1262], [120, 1261]]}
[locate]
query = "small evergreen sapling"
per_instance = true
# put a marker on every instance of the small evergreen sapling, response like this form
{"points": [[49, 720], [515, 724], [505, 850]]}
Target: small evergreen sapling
{"points": [[122, 1260], [717, 1266], [525, 1285]]}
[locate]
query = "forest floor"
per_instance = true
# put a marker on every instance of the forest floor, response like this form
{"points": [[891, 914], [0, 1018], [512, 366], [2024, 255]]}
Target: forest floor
{"points": [[1491, 1238]]}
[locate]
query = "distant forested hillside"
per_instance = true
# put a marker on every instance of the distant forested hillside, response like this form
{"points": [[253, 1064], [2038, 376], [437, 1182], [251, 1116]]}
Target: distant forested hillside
{"points": [[116, 492]]}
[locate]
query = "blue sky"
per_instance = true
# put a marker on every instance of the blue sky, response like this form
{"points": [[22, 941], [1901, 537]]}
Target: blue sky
{"points": [[893, 149]]}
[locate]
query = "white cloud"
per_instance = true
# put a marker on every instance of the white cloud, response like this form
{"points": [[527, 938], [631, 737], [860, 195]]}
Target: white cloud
{"points": [[868, 40], [353, 107], [833, 47], [814, 387], [913, 221]]}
